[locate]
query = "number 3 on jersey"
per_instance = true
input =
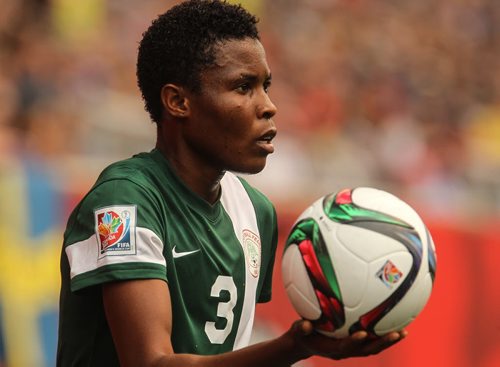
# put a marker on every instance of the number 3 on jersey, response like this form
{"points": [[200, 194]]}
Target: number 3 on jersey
{"points": [[224, 309]]}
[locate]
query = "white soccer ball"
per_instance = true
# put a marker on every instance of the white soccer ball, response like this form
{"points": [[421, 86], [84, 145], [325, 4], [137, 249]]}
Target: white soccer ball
{"points": [[359, 259]]}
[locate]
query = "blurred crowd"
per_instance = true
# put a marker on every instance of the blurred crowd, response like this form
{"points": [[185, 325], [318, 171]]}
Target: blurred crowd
{"points": [[402, 95]]}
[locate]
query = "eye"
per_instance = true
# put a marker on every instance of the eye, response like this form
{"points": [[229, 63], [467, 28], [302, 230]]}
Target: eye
{"points": [[243, 88], [267, 85]]}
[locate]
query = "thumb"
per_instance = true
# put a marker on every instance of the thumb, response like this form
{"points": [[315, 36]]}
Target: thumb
{"points": [[304, 327]]}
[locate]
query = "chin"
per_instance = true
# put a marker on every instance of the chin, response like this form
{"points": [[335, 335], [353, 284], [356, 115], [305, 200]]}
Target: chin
{"points": [[249, 169]]}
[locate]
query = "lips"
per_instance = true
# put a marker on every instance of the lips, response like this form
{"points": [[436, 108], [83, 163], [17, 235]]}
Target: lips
{"points": [[265, 141], [268, 136]]}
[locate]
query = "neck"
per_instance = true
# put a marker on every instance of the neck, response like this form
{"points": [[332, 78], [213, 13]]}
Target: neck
{"points": [[200, 177]]}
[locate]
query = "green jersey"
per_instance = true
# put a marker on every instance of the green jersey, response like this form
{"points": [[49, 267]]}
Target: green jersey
{"points": [[140, 221]]}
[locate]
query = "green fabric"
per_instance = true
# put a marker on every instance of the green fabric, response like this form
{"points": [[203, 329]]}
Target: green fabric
{"points": [[172, 215]]}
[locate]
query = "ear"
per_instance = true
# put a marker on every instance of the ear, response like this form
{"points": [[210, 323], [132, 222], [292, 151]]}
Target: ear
{"points": [[174, 100]]}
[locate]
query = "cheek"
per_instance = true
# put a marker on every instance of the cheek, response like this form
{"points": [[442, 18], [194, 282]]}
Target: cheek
{"points": [[237, 121], [236, 131], [229, 124]]}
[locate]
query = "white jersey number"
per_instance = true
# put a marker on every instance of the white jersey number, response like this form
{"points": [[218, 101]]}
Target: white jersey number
{"points": [[224, 309]]}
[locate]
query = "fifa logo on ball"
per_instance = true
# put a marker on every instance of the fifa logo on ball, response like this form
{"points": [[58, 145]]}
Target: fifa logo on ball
{"points": [[389, 274]]}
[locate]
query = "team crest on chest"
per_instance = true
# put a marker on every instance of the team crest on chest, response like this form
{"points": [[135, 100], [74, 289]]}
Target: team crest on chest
{"points": [[115, 230], [251, 244]]}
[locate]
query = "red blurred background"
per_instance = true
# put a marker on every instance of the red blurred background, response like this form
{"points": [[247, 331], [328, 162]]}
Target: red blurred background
{"points": [[399, 95], [460, 324]]}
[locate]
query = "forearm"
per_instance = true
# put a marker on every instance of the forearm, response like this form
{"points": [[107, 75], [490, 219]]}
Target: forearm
{"points": [[279, 352]]}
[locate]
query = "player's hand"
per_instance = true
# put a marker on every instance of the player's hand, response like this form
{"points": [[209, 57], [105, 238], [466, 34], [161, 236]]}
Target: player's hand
{"points": [[358, 344]]}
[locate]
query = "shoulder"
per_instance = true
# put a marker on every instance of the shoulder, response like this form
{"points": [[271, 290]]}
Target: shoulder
{"points": [[260, 201], [136, 180], [137, 177], [136, 169], [255, 193], [126, 185]]}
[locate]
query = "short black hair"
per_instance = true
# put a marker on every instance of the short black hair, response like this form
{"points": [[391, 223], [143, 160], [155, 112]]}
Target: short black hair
{"points": [[179, 45]]}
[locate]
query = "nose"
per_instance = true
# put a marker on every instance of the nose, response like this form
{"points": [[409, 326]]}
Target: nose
{"points": [[267, 109]]}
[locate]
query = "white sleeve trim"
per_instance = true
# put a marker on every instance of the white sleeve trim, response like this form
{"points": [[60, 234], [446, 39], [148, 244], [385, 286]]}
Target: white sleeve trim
{"points": [[84, 257]]}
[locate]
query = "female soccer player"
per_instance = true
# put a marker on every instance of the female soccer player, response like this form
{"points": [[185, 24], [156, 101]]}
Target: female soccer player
{"points": [[165, 258]]}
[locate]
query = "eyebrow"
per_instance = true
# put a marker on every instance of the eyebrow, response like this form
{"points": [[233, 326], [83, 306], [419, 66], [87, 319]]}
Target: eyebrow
{"points": [[254, 77]]}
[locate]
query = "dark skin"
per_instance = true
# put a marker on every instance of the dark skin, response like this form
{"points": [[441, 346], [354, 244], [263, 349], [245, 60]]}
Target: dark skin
{"points": [[233, 109], [226, 126]]}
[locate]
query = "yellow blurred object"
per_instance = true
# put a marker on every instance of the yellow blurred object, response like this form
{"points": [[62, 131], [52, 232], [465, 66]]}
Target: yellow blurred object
{"points": [[484, 133], [29, 285], [29, 272], [78, 19]]}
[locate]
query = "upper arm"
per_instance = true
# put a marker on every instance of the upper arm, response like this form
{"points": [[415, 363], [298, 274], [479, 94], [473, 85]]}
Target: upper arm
{"points": [[115, 234], [139, 315]]}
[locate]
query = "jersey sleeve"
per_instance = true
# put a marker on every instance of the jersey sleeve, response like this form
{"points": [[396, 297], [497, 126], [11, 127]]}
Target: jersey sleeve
{"points": [[115, 234]]}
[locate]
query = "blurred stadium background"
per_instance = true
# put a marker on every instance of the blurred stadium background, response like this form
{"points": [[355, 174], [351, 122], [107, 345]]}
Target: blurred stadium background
{"points": [[401, 95]]}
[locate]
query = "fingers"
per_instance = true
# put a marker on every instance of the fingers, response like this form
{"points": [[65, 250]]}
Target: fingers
{"points": [[381, 343], [350, 346], [303, 327], [360, 343], [359, 336]]}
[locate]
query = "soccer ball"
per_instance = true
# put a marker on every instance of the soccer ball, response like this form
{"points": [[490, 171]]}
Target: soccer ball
{"points": [[359, 259]]}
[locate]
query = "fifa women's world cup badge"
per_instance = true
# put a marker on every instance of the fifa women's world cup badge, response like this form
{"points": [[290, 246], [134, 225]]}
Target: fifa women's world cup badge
{"points": [[115, 229]]}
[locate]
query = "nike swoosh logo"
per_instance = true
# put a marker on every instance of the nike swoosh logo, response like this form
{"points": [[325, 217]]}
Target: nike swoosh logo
{"points": [[176, 254]]}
